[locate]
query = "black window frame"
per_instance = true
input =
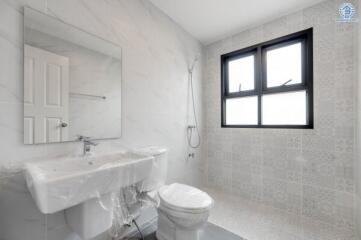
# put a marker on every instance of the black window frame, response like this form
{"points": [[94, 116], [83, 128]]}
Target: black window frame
{"points": [[306, 39]]}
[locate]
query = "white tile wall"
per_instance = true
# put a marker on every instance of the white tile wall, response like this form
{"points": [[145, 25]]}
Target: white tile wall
{"points": [[156, 55], [305, 172]]}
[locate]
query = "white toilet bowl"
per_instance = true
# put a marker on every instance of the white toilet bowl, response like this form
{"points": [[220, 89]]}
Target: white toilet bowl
{"points": [[183, 211]]}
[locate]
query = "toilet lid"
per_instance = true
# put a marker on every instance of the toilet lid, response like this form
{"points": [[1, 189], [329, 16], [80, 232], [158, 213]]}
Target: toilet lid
{"points": [[183, 197]]}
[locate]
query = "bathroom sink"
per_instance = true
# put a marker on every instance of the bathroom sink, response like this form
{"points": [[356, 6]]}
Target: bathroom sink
{"points": [[61, 183]]}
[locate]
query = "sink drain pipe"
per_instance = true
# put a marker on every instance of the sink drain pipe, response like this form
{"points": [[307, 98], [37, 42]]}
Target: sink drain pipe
{"points": [[140, 232]]}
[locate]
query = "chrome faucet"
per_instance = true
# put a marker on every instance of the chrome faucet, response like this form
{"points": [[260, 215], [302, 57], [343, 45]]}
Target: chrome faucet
{"points": [[87, 144]]}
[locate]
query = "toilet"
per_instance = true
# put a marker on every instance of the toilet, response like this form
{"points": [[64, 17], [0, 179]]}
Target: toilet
{"points": [[183, 210]]}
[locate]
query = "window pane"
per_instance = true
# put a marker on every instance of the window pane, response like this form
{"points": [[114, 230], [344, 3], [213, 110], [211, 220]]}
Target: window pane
{"points": [[284, 65], [241, 74], [284, 108], [242, 111]]}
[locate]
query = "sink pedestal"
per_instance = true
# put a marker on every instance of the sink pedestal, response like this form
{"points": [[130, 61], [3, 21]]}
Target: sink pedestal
{"points": [[91, 218]]}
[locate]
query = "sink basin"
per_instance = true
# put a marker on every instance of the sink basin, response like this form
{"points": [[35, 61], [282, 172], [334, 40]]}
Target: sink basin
{"points": [[62, 183]]}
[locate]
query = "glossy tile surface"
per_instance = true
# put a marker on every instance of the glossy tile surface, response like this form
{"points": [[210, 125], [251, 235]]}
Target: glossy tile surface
{"points": [[157, 53]]}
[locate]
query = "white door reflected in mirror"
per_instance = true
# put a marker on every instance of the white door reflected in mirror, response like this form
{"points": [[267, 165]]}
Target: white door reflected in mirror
{"points": [[46, 90]]}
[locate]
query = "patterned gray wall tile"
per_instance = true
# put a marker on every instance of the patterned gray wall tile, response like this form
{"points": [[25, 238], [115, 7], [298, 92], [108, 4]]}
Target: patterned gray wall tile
{"points": [[247, 185], [282, 195], [345, 210], [314, 163], [319, 204], [345, 172], [319, 168]]}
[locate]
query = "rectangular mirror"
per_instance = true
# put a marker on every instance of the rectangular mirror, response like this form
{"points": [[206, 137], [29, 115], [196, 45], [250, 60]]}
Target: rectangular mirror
{"points": [[72, 82]]}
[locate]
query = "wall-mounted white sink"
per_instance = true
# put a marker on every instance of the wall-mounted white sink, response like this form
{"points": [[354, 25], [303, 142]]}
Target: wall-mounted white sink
{"points": [[62, 183]]}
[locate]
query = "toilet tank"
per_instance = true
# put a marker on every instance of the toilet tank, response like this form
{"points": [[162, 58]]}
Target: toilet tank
{"points": [[158, 172]]}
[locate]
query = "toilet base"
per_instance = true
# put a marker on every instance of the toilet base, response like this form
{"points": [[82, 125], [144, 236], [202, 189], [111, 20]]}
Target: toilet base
{"points": [[167, 230]]}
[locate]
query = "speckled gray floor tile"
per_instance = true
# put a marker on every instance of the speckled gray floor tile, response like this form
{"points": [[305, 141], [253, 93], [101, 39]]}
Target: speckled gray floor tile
{"points": [[211, 232]]}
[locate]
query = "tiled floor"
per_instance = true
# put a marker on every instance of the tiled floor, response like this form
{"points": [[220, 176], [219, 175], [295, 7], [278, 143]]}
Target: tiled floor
{"points": [[258, 222], [211, 232]]}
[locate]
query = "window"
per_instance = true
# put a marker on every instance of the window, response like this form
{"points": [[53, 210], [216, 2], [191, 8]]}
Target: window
{"points": [[269, 85]]}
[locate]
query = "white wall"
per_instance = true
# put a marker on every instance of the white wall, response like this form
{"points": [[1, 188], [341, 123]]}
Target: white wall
{"points": [[309, 173], [156, 54]]}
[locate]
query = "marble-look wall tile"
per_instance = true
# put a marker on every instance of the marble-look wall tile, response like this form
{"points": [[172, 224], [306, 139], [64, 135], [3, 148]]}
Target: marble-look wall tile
{"points": [[155, 93], [20, 217], [302, 171]]}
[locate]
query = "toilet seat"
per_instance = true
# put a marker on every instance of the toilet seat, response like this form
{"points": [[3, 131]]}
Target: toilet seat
{"points": [[183, 198]]}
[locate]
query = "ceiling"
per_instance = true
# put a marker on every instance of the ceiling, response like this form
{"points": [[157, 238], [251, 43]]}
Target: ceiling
{"points": [[212, 20]]}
